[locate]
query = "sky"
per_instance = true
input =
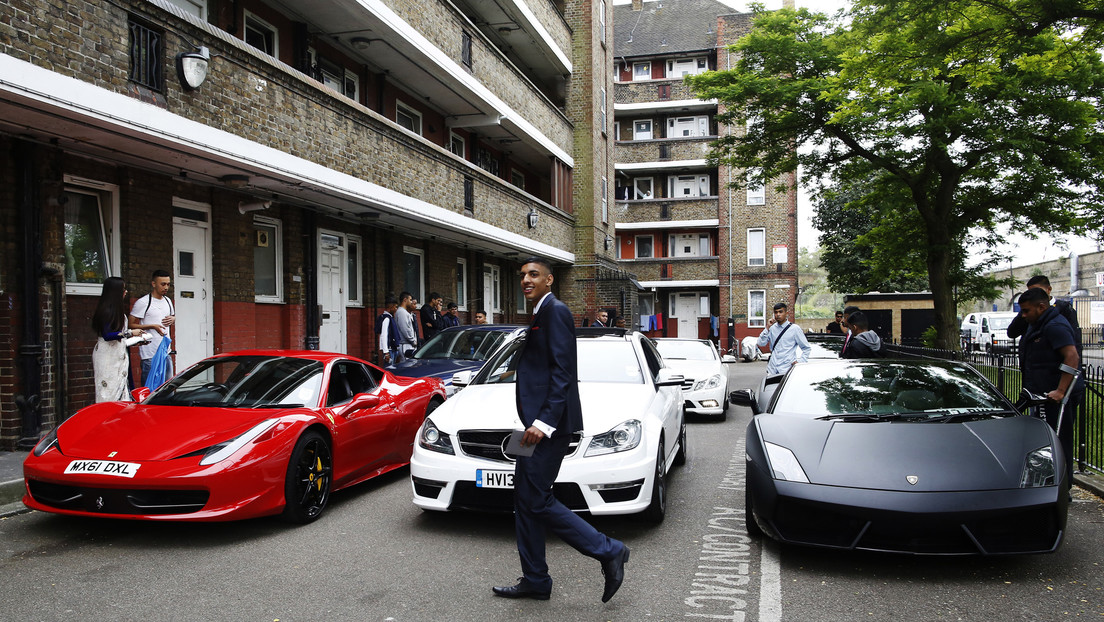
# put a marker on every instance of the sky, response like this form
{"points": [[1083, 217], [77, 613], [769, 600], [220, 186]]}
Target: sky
{"points": [[1024, 250]]}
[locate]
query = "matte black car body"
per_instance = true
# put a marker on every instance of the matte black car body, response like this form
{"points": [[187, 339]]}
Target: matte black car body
{"points": [[901, 462]]}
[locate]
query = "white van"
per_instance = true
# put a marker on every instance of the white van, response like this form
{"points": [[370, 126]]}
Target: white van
{"points": [[987, 331]]}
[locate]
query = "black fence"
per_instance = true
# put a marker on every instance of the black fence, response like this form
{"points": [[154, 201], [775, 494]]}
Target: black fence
{"points": [[1002, 369]]}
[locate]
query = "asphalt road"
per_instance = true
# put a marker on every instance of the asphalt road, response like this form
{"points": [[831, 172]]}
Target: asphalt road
{"points": [[374, 556]]}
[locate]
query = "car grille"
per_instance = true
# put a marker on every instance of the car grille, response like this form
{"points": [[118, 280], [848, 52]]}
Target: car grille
{"points": [[687, 384], [467, 496], [117, 501], [488, 444]]}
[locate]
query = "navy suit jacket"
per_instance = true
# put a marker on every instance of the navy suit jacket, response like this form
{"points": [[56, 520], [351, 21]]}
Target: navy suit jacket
{"points": [[547, 372]]}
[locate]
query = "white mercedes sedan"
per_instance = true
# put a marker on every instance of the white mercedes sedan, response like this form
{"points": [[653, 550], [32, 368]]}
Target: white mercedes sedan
{"points": [[633, 433], [705, 379]]}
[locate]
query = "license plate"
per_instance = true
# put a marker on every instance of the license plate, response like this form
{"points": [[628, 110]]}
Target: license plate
{"points": [[103, 467], [494, 479]]}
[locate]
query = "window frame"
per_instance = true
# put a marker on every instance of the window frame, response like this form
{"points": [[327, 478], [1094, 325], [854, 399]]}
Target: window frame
{"points": [[109, 229], [146, 69], [456, 138], [260, 24], [637, 75], [415, 116], [517, 175], [762, 258], [355, 263], [466, 49], [756, 193], [461, 284], [636, 245], [637, 195], [761, 320], [419, 295], [277, 225], [603, 110], [496, 287], [605, 201]]}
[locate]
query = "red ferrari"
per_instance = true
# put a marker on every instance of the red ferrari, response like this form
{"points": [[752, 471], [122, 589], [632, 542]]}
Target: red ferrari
{"points": [[235, 436]]}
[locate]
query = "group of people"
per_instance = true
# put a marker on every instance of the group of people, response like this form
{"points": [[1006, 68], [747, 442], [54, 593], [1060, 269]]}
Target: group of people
{"points": [[403, 326], [788, 347], [602, 320], [147, 324]]}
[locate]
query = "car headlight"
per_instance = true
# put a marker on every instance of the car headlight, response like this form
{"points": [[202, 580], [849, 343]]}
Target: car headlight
{"points": [[48, 441], [784, 464], [623, 437], [222, 451], [1039, 469], [429, 437], [708, 383]]}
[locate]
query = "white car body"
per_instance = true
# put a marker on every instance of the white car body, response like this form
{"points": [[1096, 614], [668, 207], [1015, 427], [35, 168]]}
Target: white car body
{"points": [[987, 331], [478, 421], [705, 379]]}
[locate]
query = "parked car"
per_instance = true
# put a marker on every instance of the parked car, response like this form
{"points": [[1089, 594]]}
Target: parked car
{"points": [[824, 345], [634, 433], [919, 457], [455, 349], [705, 379], [987, 331], [234, 436]]}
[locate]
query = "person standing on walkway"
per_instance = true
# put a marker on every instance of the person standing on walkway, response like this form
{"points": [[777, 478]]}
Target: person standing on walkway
{"points": [[156, 314], [450, 319], [110, 360], [388, 335], [408, 335], [431, 317], [787, 342], [1050, 363], [547, 394], [865, 343]]}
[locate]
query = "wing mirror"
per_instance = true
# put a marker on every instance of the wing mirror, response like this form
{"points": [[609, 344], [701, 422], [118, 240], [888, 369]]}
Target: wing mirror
{"points": [[668, 378], [744, 397], [461, 379], [360, 401], [728, 358], [140, 394]]}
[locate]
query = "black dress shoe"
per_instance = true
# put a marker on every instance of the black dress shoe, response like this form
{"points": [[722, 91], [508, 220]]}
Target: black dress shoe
{"points": [[614, 569], [520, 591]]}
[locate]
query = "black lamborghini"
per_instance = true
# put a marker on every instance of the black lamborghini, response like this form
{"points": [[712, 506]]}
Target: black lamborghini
{"points": [[904, 456]]}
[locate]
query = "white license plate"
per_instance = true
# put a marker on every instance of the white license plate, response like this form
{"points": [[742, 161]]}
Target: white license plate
{"points": [[103, 467], [494, 479]]}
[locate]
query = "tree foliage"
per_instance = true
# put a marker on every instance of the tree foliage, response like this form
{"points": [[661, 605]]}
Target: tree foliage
{"points": [[961, 116]]}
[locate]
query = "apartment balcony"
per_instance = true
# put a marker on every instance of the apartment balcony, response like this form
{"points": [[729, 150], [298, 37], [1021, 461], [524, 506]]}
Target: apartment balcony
{"points": [[662, 150], [666, 210], [673, 268], [533, 34]]}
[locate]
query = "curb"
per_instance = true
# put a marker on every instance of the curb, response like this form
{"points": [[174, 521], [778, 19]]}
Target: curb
{"points": [[1089, 482], [11, 498]]}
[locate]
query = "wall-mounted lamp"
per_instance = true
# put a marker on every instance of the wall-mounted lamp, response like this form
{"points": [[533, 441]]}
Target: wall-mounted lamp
{"points": [[533, 217], [361, 43], [253, 206], [191, 67], [609, 242]]}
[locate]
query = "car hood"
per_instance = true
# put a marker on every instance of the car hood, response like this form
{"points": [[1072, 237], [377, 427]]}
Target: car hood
{"points": [[980, 455], [435, 368], [137, 432], [494, 406], [696, 370]]}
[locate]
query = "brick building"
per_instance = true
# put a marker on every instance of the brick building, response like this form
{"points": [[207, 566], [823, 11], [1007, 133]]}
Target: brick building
{"points": [[705, 254], [333, 152]]}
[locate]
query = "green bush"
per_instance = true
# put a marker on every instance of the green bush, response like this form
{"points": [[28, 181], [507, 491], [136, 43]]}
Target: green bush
{"points": [[928, 337]]}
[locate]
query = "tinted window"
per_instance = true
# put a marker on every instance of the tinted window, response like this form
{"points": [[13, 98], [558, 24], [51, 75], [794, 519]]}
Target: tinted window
{"points": [[466, 345], [244, 382], [347, 380], [686, 350], [599, 360]]}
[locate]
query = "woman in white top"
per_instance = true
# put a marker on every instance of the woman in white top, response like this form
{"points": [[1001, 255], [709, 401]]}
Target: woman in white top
{"points": [[110, 363]]}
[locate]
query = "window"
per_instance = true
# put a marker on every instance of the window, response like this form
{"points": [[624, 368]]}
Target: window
{"points": [[466, 49], [267, 260], [336, 77], [520, 299], [605, 200], [756, 192], [757, 308], [146, 50], [643, 188], [642, 129], [260, 34], [461, 284], [414, 272], [643, 246], [456, 145], [492, 288], [353, 257], [408, 118], [91, 238], [195, 7], [757, 247], [686, 67], [517, 178], [602, 22], [469, 194], [602, 109], [486, 160], [683, 127], [688, 186], [642, 71], [645, 305]]}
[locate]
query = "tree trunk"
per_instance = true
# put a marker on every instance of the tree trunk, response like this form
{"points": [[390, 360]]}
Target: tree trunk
{"points": [[946, 316]]}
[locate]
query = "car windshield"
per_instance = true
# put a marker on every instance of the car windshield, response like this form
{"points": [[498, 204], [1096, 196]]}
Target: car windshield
{"points": [[686, 350], [874, 388], [465, 345], [244, 382], [999, 323], [600, 360]]}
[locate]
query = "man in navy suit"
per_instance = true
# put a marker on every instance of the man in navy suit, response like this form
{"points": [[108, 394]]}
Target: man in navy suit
{"points": [[547, 385]]}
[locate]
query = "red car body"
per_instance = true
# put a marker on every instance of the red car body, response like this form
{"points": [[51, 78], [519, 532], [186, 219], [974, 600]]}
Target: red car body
{"points": [[143, 460]]}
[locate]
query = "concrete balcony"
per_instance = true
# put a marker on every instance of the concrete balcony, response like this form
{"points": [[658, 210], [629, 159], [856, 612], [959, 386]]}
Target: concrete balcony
{"points": [[659, 210], [673, 268], [662, 149], [648, 91]]}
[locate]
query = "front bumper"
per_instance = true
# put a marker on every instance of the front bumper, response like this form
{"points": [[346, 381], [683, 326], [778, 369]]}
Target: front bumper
{"points": [[618, 483], [986, 522], [705, 401]]}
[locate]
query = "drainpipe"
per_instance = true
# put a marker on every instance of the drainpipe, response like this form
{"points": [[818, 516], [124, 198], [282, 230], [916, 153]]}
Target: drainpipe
{"points": [[1073, 272]]}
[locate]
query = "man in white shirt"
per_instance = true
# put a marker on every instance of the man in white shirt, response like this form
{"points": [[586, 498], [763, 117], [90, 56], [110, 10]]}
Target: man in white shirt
{"points": [[787, 342], [155, 314]]}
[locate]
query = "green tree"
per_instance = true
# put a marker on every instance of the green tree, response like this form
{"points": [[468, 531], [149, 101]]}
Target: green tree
{"points": [[967, 115]]}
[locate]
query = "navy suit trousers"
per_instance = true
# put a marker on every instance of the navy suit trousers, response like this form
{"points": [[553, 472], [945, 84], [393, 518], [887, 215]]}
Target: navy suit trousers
{"points": [[535, 509]]}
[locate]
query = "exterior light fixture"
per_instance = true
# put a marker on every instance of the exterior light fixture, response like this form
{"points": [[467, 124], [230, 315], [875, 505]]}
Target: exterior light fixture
{"points": [[253, 206], [533, 218], [361, 43], [191, 67], [609, 241]]}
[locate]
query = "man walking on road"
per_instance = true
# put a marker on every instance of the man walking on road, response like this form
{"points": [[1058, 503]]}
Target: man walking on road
{"points": [[787, 342], [547, 387]]}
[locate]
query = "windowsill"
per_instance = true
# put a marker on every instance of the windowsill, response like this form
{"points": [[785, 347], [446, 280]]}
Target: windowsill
{"points": [[268, 301], [674, 259]]}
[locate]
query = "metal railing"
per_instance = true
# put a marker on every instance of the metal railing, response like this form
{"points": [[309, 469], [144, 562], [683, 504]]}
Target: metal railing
{"points": [[1002, 369]]}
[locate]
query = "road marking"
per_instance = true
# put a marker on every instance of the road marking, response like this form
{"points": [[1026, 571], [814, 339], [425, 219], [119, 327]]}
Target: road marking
{"points": [[770, 584]]}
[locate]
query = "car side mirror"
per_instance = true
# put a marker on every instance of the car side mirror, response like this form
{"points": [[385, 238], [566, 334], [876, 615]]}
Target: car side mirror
{"points": [[462, 378], [744, 397], [668, 378], [360, 401], [140, 394], [728, 358]]}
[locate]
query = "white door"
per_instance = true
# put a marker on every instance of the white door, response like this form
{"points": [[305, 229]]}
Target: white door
{"points": [[331, 292], [192, 293], [686, 309], [490, 301]]}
